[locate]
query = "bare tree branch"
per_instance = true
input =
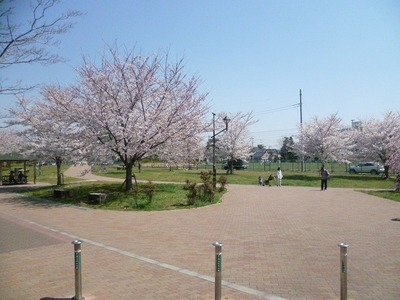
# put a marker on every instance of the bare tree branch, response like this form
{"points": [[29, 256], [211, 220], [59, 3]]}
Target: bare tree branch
{"points": [[27, 43]]}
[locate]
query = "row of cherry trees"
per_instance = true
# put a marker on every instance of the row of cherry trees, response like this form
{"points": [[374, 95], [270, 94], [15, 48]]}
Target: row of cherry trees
{"points": [[235, 143], [371, 140], [127, 107]]}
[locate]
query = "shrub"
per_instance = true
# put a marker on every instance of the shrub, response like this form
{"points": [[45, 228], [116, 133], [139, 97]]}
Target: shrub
{"points": [[208, 191], [203, 192], [149, 190], [192, 195], [205, 176], [135, 193], [223, 181]]}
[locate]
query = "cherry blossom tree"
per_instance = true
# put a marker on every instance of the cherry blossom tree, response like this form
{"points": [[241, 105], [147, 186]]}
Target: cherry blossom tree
{"points": [[131, 105], [235, 143], [394, 146], [378, 140], [30, 41], [186, 152], [394, 160], [323, 139], [10, 142], [47, 133]]}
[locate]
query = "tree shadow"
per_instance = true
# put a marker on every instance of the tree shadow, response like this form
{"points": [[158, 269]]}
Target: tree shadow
{"points": [[51, 298], [301, 177], [18, 188], [18, 198], [356, 177]]}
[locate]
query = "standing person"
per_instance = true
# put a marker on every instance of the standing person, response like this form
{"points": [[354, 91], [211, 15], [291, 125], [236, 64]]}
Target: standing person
{"points": [[279, 176], [324, 173]]}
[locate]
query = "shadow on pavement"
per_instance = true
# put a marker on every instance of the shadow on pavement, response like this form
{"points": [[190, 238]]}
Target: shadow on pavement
{"points": [[21, 187], [22, 200], [50, 298]]}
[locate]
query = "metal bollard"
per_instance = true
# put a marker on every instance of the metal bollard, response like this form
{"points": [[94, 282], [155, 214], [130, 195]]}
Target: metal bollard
{"points": [[78, 270], [343, 271], [218, 269]]}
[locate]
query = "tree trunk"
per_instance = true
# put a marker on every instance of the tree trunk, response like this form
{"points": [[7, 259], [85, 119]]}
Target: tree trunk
{"points": [[231, 169], [230, 166], [128, 176], [386, 171], [59, 175]]}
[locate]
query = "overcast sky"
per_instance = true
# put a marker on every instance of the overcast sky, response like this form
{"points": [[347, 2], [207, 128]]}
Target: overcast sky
{"points": [[251, 55]]}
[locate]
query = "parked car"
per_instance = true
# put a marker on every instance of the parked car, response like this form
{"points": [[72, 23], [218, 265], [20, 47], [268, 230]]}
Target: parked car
{"points": [[373, 168], [238, 164]]}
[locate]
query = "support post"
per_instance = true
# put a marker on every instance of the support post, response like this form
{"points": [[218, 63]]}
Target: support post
{"points": [[214, 177], [343, 271], [218, 270], [78, 270]]}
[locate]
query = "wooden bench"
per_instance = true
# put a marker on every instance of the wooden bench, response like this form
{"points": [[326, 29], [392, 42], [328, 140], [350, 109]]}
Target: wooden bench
{"points": [[5, 179], [96, 198]]}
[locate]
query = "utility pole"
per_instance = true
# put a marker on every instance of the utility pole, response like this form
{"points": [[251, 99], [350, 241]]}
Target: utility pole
{"points": [[301, 127], [214, 177], [301, 110]]}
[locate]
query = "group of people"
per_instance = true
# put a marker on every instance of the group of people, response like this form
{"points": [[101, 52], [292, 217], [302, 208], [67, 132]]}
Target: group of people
{"points": [[324, 174], [21, 178], [270, 178]]}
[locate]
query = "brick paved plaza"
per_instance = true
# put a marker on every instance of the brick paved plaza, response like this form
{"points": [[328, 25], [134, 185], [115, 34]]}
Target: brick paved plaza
{"points": [[279, 243]]}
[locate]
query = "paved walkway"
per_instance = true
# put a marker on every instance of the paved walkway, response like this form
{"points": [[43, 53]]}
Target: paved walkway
{"points": [[279, 243]]}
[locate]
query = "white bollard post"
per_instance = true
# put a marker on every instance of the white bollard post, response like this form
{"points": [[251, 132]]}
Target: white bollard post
{"points": [[218, 270], [78, 270], [343, 271]]}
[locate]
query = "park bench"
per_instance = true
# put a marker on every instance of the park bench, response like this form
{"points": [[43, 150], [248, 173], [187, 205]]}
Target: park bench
{"points": [[5, 179], [96, 198]]}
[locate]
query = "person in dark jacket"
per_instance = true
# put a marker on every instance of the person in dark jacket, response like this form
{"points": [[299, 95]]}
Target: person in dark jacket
{"points": [[324, 173]]}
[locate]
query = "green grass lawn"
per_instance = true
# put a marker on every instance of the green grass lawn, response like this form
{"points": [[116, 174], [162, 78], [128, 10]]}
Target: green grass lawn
{"points": [[251, 177], [173, 196], [48, 174], [166, 196], [337, 179]]}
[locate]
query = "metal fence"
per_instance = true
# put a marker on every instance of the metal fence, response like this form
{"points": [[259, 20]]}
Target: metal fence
{"points": [[257, 166]]}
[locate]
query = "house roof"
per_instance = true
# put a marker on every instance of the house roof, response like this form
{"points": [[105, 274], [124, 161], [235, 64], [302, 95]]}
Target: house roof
{"points": [[259, 154]]}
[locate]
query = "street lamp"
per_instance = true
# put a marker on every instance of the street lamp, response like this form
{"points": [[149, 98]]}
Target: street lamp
{"points": [[226, 121]]}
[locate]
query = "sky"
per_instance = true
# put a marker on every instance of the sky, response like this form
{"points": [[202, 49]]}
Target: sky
{"points": [[252, 55]]}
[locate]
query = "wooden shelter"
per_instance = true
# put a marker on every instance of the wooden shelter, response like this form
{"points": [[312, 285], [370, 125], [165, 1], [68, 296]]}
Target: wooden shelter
{"points": [[6, 164]]}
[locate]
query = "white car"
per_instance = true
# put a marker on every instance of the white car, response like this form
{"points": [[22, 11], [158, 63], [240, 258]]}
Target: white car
{"points": [[373, 168]]}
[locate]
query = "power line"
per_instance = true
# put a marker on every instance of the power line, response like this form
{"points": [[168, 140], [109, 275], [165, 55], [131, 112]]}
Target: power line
{"points": [[273, 110], [275, 130]]}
